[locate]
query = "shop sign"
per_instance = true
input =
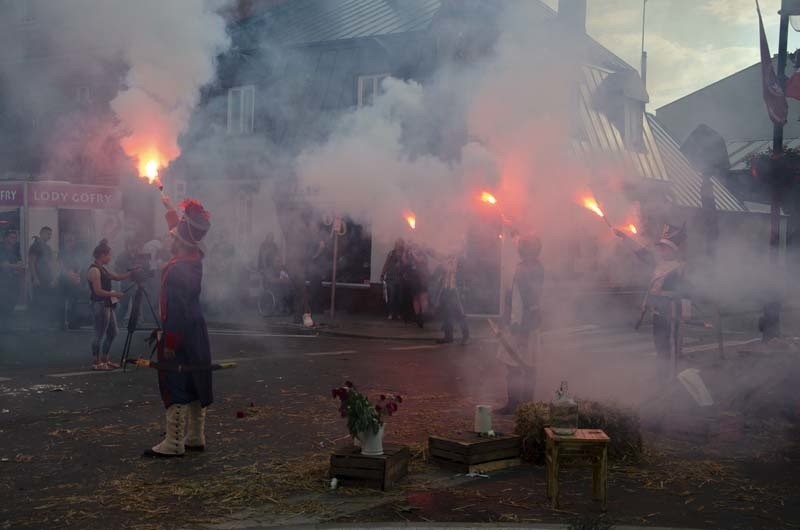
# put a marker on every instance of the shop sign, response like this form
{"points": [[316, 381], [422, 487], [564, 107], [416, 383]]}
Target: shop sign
{"points": [[12, 194], [62, 195]]}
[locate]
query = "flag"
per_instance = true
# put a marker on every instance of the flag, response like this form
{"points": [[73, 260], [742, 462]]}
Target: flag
{"points": [[793, 86], [773, 93]]}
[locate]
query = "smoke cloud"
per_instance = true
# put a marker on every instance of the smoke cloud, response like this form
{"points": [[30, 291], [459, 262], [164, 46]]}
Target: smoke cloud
{"points": [[150, 57]]}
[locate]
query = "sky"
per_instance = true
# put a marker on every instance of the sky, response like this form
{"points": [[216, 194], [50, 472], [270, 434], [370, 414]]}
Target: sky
{"points": [[689, 43]]}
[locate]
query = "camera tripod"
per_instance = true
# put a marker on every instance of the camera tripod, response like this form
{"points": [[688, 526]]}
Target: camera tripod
{"points": [[133, 322]]}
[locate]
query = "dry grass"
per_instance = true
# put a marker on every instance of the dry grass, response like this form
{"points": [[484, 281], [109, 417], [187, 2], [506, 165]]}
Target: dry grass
{"points": [[621, 425]]}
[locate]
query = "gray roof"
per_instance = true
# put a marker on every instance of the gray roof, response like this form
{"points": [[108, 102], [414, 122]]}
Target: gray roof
{"points": [[300, 22], [660, 159], [305, 22], [685, 181]]}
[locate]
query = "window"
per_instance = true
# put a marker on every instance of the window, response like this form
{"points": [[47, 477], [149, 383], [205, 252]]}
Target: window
{"points": [[83, 95], [369, 86], [180, 188], [241, 109], [244, 217], [34, 44], [26, 10]]}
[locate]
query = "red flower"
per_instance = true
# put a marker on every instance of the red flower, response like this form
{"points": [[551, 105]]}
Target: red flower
{"points": [[399, 399], [383, 397]]}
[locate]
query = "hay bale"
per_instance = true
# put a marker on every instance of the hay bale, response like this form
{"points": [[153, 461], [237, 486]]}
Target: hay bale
{"points": [[620, 424], [531, 419]]}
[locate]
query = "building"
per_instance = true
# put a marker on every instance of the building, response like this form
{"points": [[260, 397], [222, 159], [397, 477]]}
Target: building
{"points": [[327, 56], [721, 126]]}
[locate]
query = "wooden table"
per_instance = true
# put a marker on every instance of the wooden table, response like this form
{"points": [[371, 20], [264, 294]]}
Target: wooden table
{"points": [[585, 448]]}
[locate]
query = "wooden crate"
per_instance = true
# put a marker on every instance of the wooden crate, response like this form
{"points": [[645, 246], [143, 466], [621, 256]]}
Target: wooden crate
{"points": [[382, 472], [470, 453]]}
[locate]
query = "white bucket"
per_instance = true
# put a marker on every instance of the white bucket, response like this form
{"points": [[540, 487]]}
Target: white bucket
{"points": [[371, 444]]}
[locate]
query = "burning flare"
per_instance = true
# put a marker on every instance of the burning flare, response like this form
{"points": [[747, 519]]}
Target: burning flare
{"points": [[488, 198], [411, 219], [590, 203], [149, 167], [151, 170], [632, 228]]}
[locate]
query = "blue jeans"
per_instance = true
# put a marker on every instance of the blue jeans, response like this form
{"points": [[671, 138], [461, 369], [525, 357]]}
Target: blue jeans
{"points": [[105, 325]]}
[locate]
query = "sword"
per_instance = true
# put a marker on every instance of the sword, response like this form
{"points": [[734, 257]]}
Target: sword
{"points": [[506, 345], [181, 368]]}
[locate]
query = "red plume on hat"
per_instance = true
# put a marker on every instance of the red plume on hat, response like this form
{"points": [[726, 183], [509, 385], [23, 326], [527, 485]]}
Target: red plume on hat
{"points": [[194, 209], [194, 224]]}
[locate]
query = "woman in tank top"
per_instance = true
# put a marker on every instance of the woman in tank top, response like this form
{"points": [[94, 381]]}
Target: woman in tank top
{"points": [[104, 301]]}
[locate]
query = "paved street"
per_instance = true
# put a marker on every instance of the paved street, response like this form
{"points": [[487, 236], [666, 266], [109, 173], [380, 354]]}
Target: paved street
{"points": [[70, 438]]}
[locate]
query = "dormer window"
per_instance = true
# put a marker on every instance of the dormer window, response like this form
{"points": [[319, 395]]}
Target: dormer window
{"points": [[622, 98]]}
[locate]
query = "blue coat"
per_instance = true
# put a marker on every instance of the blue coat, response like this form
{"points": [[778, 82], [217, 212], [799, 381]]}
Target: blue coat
{"points": [[185, 333]]}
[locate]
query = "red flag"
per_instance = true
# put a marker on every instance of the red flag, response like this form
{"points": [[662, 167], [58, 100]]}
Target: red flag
{"points": [[773, 94]]}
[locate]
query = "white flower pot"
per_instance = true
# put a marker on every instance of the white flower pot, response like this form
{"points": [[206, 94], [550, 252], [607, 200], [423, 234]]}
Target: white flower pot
{"points": [[371, 444]]}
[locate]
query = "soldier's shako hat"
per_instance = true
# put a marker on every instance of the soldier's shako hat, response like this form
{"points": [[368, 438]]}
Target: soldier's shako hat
{"points": [[193, 225], [529, 246], [673, 236]]}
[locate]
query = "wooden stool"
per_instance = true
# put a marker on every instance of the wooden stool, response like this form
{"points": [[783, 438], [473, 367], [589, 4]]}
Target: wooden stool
{"points": [[585, 448]]}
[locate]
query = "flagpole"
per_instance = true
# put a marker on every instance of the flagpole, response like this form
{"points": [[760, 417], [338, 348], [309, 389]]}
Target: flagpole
{"points": [[643, 68], [771, 319]]}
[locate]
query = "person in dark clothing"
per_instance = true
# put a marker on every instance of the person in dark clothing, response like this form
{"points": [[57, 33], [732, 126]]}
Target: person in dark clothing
{"points": [[104, 303], [298, 237], [11, 275], [522, 316], [277, 280], [392, 277], [415, 267], [72, 260], [449, 301], [186, 394], [43, 269], [667, 287], [267, 253], [316, 269]]}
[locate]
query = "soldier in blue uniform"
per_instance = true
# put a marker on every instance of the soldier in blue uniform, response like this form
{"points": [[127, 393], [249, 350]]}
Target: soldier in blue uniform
{"points": [[667, 287], [523, 317], [449, 301], [184, 353]]}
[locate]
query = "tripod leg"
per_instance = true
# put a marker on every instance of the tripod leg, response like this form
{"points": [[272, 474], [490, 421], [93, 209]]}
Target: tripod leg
{"points": [[152, 311], [126, 349]]}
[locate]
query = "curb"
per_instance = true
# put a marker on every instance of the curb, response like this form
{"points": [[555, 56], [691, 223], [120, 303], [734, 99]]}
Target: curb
{"points": [[455, 526]]}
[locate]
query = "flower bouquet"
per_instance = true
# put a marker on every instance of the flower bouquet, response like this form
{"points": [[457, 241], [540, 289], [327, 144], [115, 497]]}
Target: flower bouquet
{"points": [[365, 420]]}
